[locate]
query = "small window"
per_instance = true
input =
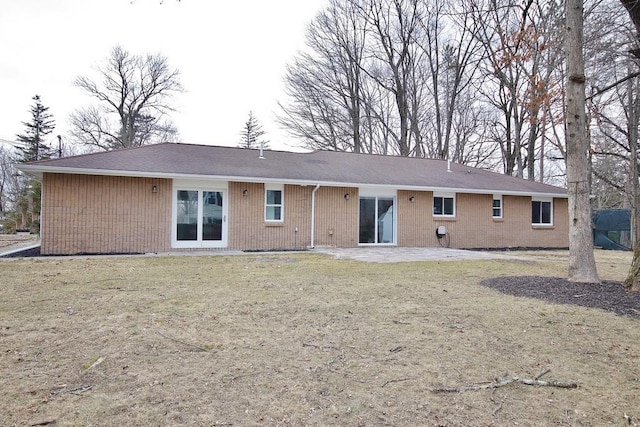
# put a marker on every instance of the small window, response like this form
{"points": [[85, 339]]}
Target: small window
{"points": [[443, 205], [541, 212], [497, 207], [273, 206]]}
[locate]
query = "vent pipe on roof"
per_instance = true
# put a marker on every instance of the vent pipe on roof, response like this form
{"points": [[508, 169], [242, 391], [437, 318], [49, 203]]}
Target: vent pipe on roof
{"points": [[261, 150], [448, 165]]}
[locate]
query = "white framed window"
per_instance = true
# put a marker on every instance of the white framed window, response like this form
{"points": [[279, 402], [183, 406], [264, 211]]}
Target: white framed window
{"points": [[444, 204], [274, 203], [541, 211], [497, 206]]}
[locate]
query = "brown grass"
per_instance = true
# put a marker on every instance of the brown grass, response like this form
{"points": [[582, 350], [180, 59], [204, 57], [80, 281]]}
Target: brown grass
{"points": [[302, 339]]}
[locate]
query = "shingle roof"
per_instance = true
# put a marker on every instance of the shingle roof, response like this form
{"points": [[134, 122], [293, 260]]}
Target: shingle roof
{"points": [[323, 167]]}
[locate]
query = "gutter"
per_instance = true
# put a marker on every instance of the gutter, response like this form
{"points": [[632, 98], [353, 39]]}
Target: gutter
{"points": [[39, 171], [313, 214]]}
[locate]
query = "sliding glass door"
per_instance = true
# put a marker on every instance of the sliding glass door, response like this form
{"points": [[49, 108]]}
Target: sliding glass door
{"points": [[377, 220], [187, 207], [212, 216], [200, 218]]}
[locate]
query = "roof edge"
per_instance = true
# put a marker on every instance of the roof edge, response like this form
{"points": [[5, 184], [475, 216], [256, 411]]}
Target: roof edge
{"points": [[38, 171]]}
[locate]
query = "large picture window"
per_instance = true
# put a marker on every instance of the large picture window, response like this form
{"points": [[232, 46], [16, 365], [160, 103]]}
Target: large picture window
{"points": [[444, 204], [541, 212], [274, 203]]}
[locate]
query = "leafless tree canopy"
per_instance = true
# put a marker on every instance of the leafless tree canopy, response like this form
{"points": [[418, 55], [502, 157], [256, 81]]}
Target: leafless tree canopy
{"points": [[132, 100], [9, 182], [480, 82]]}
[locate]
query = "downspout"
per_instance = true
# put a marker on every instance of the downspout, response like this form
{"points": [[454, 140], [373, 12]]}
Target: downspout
{"points": [[313, 215], [41, 218]]}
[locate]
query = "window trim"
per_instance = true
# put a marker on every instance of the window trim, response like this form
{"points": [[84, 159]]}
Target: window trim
{"points": [[542, 200], [501, 207], [443, 196], [274, 187]]}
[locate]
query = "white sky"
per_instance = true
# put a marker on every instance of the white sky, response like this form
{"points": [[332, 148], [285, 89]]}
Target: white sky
{"points": [[231, 54]]}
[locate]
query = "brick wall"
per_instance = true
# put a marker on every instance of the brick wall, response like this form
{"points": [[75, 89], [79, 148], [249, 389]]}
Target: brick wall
{"points": [[474, 226], [336, 217], [101, 214], [248, 229], [104, 214]]}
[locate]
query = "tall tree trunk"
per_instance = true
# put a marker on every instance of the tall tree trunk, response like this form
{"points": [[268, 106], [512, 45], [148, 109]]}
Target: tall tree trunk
{"points": [[582, 265], [633, 279]]}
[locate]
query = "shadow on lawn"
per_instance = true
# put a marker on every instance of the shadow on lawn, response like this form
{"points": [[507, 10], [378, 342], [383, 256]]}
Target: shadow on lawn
{"points": [[609, 296]]}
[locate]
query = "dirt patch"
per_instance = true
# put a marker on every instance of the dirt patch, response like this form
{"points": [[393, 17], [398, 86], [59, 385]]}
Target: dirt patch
{"points": [[303, 339], [609, 296]]}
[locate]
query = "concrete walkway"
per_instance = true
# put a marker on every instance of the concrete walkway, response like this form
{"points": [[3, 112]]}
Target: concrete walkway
{"points": [[396, 254], [11, 243], [378, 254]]}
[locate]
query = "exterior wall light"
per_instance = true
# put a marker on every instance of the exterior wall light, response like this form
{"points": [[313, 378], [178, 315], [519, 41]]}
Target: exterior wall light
{"points": [[412, 199], [347, 196], [154, 188], [245, 192]]}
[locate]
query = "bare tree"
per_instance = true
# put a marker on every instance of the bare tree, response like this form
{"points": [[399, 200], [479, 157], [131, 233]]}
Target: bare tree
{"points": [[132, 95], [450, 50], [395, 26], [404, 77], [582, 265], [387, 77], [522, 77], [8, 179], [325, 83], [633, 278], [633, 7], [614, 141]]}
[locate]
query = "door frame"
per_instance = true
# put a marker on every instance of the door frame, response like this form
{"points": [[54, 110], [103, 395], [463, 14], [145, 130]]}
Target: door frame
{"points": [[200, 186], [378, 193]]}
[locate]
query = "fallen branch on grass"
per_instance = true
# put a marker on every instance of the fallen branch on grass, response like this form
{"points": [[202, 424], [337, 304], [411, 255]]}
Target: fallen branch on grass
{"points": [[45, 422], [503, 381], [77, 390], [94, 362], [396, 381], [304, 344], [197, 347]]}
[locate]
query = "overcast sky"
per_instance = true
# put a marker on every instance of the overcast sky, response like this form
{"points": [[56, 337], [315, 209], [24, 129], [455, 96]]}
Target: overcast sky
{"points": [[231, 53]]}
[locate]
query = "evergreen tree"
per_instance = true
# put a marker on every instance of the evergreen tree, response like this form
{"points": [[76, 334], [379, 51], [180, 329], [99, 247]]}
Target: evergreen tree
{"points": [[250, 136], [26, 209], [40, 125]]}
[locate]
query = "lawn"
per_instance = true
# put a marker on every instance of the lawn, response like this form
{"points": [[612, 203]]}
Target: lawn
{"points": [[303, 339]]}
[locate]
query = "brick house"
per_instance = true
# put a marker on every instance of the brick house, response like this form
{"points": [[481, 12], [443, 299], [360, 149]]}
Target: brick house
{"points": [[182, 197]]}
